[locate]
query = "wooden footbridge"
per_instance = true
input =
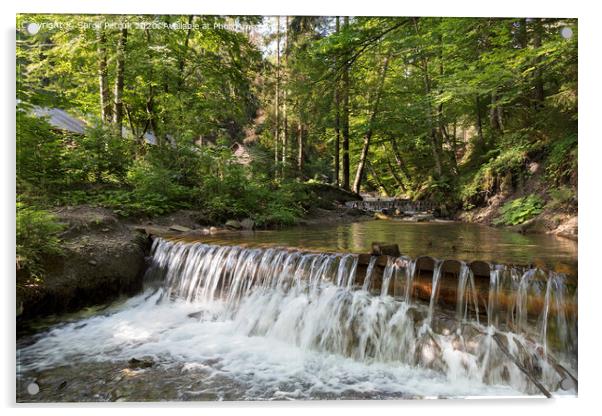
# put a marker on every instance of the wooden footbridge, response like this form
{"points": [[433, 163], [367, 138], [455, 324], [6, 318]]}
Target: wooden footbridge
{"points": [[404, 206]]}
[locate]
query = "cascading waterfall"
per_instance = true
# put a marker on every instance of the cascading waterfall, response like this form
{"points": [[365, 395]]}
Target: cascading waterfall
{"points": [[256, 311], [314, 301]]}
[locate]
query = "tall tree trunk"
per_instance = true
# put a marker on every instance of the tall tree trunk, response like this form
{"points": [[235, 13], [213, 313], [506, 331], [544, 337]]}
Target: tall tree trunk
{"points": [[435, 142], [454, 149], [368, 135], [277, 109], [182, 60], [119, 73], [376, 177], [399, 160], [495, 116], [539, 90], [346, 173], [395, 176], [284, 101], [103, 81], [337, 125], [150, 99], [482, 143], [300, 148]]}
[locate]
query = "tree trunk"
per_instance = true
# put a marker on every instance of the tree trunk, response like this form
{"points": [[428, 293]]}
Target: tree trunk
{"points": [[435, 142], [364, 155], [103, 81], [380, 184], [479, 122], [495, 115], [285, 98], [539, 90], [277, 109], [454, 149], [398, 159], [300, 149], [119, 73], [182, 60], [150, 99], [395, 176], [337, 127], [346, 173]]}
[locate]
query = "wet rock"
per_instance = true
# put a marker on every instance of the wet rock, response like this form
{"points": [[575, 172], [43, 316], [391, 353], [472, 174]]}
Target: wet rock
{"points": [[568, 229], [380, 249], [380, 216], [113, 263], [533, 167], [354, 212], [247, 224], [203, 315], [179, 228], [136, 363], [197, 315], [423, 217], [534, 225], [233, 225]]}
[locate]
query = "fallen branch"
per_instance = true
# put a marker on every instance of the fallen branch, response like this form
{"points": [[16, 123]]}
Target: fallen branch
{"points": [[521, 367]]}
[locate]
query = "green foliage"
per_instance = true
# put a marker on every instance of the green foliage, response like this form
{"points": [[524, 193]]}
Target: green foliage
{"points": [[39, 154], [234, 195], [37, 236], [507, 165], [459, 117], [520, 210], [561, 166], [563, 197], [100, 155]]}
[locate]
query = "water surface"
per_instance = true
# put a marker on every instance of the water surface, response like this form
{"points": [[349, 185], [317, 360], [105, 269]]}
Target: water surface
{"points": [[452, 240]]}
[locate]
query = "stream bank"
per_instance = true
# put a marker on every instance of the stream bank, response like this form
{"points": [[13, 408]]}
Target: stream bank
{"points": [[104, 254]]}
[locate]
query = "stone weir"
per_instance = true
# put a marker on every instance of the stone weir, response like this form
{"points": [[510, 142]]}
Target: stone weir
{"points": [[529, 313], [479, 285]]}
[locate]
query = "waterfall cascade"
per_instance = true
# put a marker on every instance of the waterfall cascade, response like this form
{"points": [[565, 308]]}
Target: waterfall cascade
{"points": [[498, 324]]}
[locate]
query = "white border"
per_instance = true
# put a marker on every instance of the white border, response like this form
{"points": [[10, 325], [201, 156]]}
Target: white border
{"points": [[590, 153]]}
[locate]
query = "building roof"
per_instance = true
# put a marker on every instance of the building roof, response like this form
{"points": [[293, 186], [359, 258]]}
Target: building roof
{"points": [[60, 119]]}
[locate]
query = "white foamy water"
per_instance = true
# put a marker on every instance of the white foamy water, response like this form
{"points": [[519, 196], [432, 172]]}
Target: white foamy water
{"points": [[284, 324], [267, 364]]}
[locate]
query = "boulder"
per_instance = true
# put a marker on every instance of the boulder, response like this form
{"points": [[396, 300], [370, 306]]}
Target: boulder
{"points": [[233, 225], [144, 362], [247, 224], [379, 249], [381, 216], [568, 229], [355, 212], [423, 217]]}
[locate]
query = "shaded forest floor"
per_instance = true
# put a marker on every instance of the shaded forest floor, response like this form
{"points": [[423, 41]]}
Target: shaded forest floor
{"points": [[555, 218]]}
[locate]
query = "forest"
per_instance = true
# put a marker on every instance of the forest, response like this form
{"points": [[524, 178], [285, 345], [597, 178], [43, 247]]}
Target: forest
{"points": [[245, 116]]}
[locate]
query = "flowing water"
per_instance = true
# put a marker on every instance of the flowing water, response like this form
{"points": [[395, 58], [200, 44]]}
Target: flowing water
{"points": [[460, 241], [236, 323]]}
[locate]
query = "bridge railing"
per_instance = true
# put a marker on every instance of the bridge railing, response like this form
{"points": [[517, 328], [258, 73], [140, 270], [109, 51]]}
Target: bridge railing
{"points": [[404, 205]]}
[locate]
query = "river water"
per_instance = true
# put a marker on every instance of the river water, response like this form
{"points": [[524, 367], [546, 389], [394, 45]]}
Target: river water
{"points": [[445, 239], [236, 323]]}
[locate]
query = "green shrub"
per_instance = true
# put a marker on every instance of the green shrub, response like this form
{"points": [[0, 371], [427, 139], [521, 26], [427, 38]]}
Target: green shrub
{"points": [[562, 197], [519, 210], [475, 186], [98, 156], [37, 235], [39, 154], [561, 163]]}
